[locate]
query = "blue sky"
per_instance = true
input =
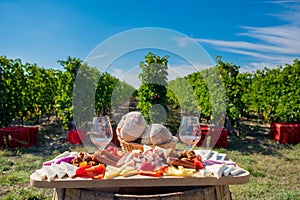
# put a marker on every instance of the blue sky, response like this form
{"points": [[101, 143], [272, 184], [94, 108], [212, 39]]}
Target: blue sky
{"points": [[249, 33]]}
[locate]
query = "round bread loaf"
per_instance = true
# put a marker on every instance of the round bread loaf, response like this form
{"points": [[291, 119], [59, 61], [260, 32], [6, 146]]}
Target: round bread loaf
{"points": [[131, 126], [159, 134], [145, 137]]}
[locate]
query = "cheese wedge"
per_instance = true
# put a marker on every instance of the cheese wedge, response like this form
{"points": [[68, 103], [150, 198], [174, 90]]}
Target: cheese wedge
{"points": [[112, 172], [50, 172], [128, 171], [205, 172], [42, 173], [60, 171], [180, 171], [70, 169], [214, 155], [186, 171], [217, 169], [228, 170], [236, 171]]}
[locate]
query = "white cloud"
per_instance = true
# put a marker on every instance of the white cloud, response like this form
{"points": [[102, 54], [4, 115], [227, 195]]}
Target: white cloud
{"points": [[96, 57], [256, 66], [279, 39], [242, 45], [261, 65], [284, 1], [265, 56], [273, 45]]}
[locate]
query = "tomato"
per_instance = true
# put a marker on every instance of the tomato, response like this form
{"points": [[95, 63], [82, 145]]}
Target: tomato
{"points": [[156, 173], [81, 171], [163, 168], [96, 171], [199, 158], [100, 176], [197, 163]]}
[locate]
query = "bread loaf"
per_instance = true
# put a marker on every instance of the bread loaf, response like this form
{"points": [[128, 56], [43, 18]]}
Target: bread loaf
{"points": [[156, 134], [145, 137], [131, 126]]}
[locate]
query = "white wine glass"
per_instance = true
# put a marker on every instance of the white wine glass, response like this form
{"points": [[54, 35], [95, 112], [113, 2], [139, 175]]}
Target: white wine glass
{"points": [[101, 133], [189, 132]]}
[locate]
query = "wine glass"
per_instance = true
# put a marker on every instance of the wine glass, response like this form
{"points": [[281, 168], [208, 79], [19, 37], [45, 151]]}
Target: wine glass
{"points": [[101, 133], [189, 132]]}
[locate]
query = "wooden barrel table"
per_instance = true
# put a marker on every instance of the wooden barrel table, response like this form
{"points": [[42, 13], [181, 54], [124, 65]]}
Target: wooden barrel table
{"points": [[218, 192]]}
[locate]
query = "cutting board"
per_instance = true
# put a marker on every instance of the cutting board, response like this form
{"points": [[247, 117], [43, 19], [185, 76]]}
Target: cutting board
{"points": [[138, 181]]}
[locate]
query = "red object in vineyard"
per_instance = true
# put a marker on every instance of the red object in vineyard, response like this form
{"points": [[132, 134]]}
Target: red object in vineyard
{"points": [[219, 136], [34, 132], [18, 137], [76, 136], [297, 133], [285, 133], [204, 130]]}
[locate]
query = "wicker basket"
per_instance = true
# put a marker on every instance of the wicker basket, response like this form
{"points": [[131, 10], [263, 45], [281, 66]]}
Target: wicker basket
{"points": [[129, 146]]}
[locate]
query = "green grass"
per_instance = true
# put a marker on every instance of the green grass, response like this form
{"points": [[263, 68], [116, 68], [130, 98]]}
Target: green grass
{"points": [[17, 164], [274, 168], [16, 168]]}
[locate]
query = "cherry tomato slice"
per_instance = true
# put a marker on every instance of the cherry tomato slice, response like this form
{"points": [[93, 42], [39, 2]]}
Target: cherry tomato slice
{"points": [[81, 171], [96, 171]]}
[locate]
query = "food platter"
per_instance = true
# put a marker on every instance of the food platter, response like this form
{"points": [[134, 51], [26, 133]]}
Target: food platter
{"points": [[167, 179], [138, 181]]}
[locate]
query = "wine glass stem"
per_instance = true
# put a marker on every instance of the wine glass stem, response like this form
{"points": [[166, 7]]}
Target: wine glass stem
{"points": [[193, 146]]}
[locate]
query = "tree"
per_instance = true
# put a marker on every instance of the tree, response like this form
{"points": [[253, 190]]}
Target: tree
{"points": [[271, 95], [63, 101], [201, 92], [6, 99], [234, 91], [153, 89]]}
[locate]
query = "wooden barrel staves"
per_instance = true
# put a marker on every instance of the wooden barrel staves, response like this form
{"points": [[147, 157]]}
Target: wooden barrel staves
{"points": [[218, 192]]}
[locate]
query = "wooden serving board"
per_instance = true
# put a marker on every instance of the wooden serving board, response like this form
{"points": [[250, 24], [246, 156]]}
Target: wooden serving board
{"points": [[138, 181]]}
